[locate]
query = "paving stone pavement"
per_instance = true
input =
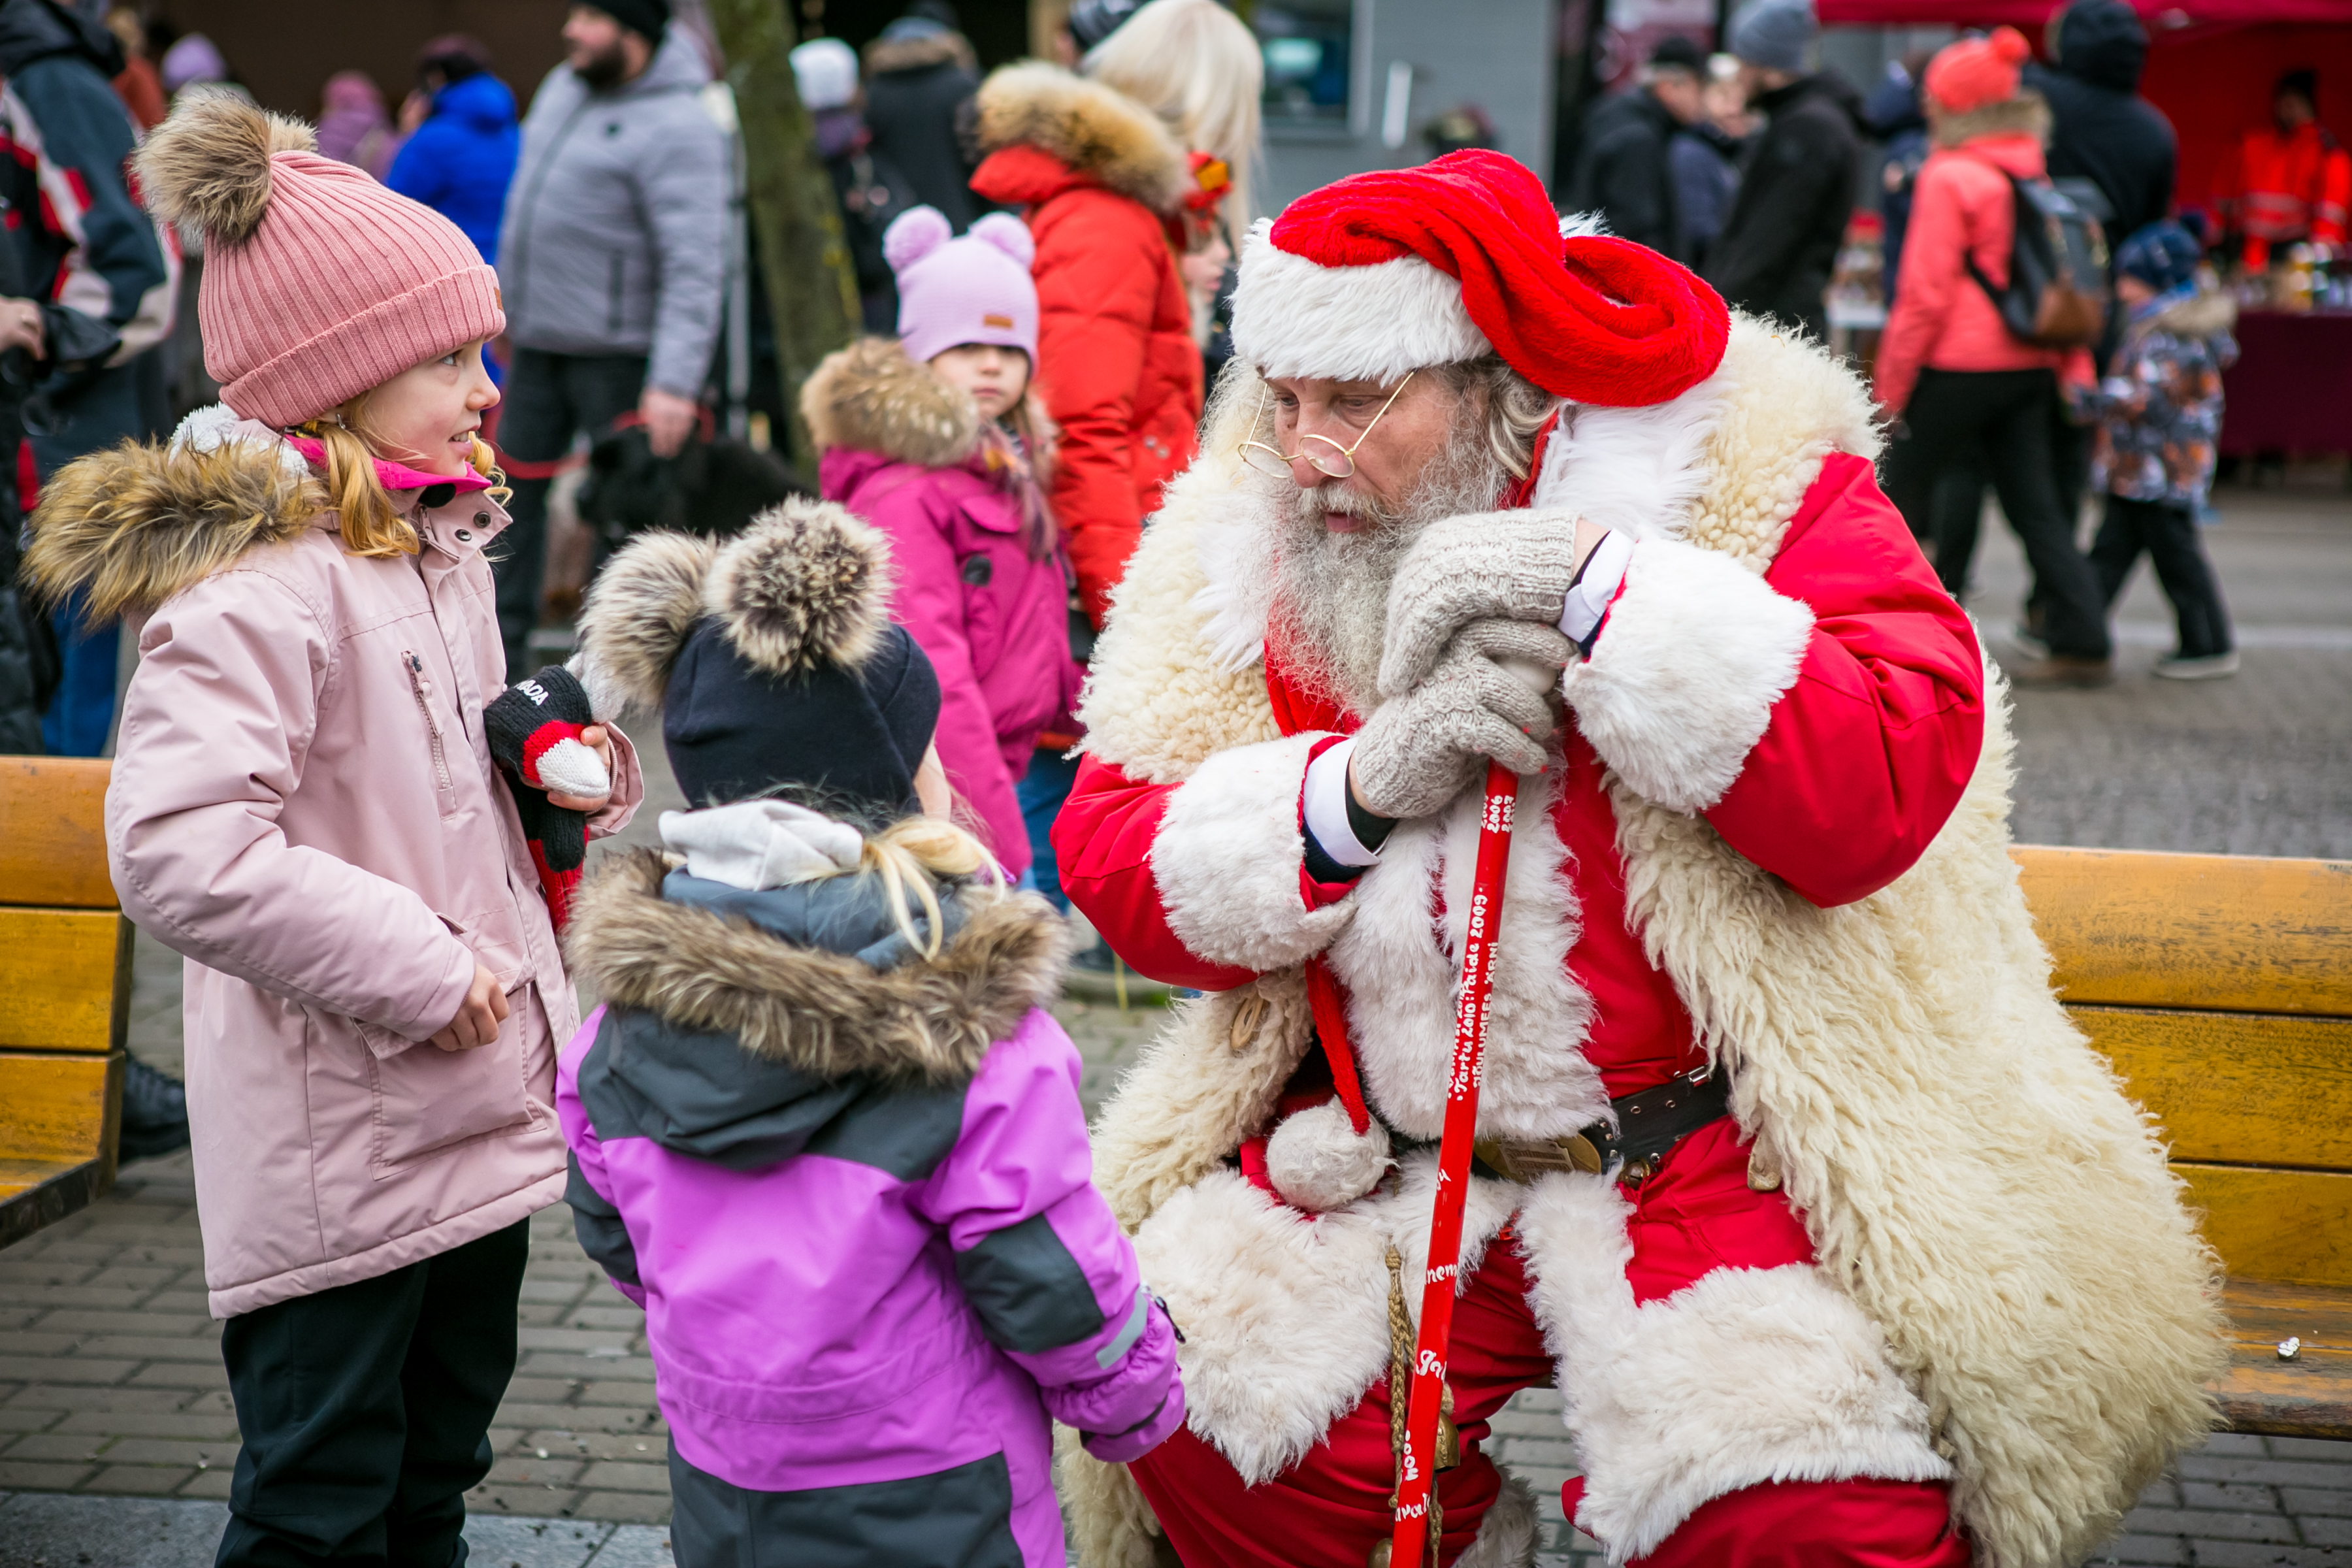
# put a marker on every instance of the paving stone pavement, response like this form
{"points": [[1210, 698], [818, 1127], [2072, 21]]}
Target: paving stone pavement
{"points": [[110, 1385]]}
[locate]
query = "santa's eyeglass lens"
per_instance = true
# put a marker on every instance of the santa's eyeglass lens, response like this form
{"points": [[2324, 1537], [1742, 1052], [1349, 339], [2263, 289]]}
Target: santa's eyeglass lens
{"points": [[1324, 456]]}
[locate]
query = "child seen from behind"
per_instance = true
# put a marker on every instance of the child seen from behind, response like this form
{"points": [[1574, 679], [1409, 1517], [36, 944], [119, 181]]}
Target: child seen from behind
{"points": [[824, 1129]]}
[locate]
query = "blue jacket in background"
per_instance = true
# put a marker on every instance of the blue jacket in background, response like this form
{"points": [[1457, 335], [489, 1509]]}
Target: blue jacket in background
{"points": [[462, 159]]}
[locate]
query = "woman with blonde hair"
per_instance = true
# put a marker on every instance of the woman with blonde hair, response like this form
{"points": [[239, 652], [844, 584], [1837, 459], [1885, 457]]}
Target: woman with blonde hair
{"points": [[1117, 172], [824, 1129]]}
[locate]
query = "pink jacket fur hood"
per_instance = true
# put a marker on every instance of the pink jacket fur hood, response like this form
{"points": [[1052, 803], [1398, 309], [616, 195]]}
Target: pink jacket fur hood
{"points": [[303, 804]]}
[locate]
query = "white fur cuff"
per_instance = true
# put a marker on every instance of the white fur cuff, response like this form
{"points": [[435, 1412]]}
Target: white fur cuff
{"points": [[1228, 857], [1682, 683]]}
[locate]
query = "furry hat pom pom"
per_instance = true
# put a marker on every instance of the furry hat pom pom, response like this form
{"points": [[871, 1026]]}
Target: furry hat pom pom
{"points": [[1008, 234], [805, 583], [1318, 1162], [913, 235], [208, 166]]}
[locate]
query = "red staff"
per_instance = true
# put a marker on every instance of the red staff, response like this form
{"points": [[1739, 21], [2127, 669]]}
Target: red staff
{"points": [[1418, 1477]]}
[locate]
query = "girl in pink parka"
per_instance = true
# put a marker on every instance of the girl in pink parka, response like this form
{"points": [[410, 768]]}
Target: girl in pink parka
{"points": [[304, 804], [938, 440]]}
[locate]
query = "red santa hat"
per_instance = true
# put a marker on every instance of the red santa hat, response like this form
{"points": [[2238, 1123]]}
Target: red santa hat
{"points": [[1385, 272]]}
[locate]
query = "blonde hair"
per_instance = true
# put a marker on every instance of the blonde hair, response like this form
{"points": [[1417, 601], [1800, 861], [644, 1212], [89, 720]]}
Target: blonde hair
{"points": [[355, 492], [911, 855], [1196, 66]]}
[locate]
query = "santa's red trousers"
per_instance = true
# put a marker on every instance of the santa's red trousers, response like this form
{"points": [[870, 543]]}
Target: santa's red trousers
{"points": [[1330, 1509]]}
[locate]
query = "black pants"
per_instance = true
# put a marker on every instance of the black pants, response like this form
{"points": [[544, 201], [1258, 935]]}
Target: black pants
{"points": [[2168, 533], [2011, 412], [550, 398], [365, 1411]]}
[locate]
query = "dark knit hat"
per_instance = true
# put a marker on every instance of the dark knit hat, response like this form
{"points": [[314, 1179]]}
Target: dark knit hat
{"points": [[650, 17], [772, 659], [2163, 255]]}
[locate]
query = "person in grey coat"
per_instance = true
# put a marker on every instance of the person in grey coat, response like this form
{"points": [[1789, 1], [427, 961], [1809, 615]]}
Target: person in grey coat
{"points": [[611, 258]]}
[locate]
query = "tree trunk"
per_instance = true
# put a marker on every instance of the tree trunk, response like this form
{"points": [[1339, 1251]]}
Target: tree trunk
{"points": [[811, 288]]}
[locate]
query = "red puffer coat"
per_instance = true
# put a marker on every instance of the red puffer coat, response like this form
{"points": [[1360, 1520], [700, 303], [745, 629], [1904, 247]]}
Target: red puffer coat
{"points": [[1102, 182]]}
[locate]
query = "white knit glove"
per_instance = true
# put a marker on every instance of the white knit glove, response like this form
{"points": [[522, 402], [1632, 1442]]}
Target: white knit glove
{"points": [[1493, 565], [1418, 750]]}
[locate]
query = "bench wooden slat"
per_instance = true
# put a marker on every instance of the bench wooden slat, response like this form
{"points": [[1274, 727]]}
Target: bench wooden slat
{"points": [[2243, 1088], [2136, 929], [53, 832], [2291, 1228], [34, 1193], [2310, 1397], [65, 979], [57, 1108]]}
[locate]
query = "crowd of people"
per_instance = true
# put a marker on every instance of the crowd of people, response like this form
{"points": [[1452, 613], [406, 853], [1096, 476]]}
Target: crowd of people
{"points": [[960, 688], [1951, 141]]}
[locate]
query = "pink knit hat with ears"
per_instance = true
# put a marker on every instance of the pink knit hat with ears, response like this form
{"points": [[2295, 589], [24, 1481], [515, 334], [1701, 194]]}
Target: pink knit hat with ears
{"points": [[318, 282], [975, 289]]}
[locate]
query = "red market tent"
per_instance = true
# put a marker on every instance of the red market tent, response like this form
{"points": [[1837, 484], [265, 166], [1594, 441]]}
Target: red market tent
{"points": [[2211, 63]]}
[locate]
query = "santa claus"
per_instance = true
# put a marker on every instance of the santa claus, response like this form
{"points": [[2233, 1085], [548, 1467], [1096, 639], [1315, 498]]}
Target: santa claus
{"points": [[1840, 1242]]}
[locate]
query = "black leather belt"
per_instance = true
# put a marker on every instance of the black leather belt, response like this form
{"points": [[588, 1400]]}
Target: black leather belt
{"points": [[1649, 1124]]}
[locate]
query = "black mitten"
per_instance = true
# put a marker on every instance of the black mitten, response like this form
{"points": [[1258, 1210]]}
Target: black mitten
{"points": [[534, 728]]}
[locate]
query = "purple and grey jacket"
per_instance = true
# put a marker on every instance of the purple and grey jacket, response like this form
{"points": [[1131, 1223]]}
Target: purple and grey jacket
{"points": [[851, 1187]]}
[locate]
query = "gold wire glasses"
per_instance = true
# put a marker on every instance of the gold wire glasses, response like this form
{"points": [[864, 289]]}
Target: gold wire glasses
{"points": [[1266, 460]]}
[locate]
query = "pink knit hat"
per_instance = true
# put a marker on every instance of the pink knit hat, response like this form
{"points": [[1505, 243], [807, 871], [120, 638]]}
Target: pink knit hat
{"points": [[975, 289], [318, 282]]}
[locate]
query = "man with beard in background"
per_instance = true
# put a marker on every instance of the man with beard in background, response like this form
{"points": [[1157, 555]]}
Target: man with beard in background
{"points": [[1763, 979]]}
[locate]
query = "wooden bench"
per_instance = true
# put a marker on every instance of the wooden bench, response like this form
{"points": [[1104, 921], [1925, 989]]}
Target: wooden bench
{"points": [[65, 992], [2220, 987]]}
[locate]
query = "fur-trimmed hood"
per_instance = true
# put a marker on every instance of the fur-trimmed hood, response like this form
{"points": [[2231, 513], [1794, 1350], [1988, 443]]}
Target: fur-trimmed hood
{"points": [[1091, 129], [2205, 314], [133, 525], [920, 52], [806, 584], [2027, 114], [870, 397], [791, 973]]}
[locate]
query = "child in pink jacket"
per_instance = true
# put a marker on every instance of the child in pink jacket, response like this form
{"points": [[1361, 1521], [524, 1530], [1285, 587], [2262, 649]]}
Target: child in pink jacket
{"points": [[304, 804], [938, 440]]}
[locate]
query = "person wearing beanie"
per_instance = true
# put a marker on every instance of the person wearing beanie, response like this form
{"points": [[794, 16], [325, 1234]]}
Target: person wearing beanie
{"points": [[2287, 181], [306, 803], [1478, 491], [1780, 238], [869, 192], [1954, 378], [940, 440], [613, 253], [822, 1128], [2159, 412], [1622, 172]]}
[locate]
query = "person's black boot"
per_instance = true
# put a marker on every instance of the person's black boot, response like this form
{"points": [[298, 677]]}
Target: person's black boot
{"points": [[154, 1112]]}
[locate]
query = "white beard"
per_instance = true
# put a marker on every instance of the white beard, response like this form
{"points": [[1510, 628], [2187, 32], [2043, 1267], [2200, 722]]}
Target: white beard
{"points": [[1329, 592]]}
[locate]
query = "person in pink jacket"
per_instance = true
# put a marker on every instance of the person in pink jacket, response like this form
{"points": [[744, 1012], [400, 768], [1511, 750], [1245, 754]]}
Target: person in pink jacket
{"points": [[1950, 372], [304, 804], [938, 440]]}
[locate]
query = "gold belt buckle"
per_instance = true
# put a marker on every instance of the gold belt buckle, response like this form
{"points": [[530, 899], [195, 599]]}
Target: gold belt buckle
{"points": [[1525, 1158]]}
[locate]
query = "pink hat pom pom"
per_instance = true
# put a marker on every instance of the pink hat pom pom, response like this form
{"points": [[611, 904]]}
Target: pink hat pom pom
{"points": [[1008, 234], [913, 235]]}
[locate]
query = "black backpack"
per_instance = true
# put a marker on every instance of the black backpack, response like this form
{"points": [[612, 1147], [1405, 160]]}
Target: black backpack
{"points": [[2056, 297]]}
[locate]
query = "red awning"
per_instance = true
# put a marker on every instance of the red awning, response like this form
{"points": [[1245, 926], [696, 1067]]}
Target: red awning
{"points": [[2162, 15]]}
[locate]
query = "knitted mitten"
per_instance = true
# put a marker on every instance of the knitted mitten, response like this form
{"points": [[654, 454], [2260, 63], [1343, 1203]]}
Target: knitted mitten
{"points": [[534, 734]]}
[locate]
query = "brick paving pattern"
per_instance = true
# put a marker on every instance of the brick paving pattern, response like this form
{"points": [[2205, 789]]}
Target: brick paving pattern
{"points": [[111, 1383]]}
